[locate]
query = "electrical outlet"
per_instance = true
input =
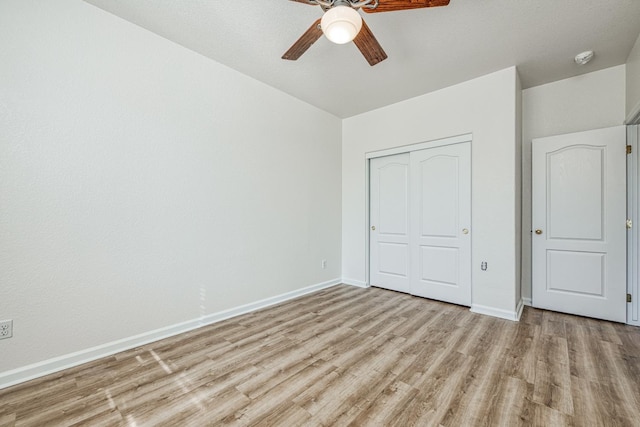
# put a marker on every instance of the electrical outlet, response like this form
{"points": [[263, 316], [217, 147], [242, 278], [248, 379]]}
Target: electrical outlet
{"points": [[6, 329], [324, 264]]}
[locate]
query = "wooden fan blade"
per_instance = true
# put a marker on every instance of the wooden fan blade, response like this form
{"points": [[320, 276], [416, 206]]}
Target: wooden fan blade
{"points": [[304, 42], [369, 46], [391, 5]]}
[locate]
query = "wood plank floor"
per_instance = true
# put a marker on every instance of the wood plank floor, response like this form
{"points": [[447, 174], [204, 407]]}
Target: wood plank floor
{"points": [[351, 356]]}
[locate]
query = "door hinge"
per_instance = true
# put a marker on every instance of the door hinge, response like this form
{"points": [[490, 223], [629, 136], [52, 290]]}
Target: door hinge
{"points": [[628, 297], [629, 149], [629, 223]]}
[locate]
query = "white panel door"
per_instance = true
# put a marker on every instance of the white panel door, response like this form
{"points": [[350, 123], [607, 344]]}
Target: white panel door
{"points": [[579, 222], [441, 222], [389, 218]]}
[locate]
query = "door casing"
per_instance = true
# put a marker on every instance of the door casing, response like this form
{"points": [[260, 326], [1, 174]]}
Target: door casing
{"points": [[633, 234]]}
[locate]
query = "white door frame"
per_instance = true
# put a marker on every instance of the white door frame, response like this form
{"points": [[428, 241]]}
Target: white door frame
{"points": [[633, 234], [458, 139]]}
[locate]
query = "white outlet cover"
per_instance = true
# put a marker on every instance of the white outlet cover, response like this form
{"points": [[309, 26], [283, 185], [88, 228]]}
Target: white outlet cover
{"points": [[6, 329]]}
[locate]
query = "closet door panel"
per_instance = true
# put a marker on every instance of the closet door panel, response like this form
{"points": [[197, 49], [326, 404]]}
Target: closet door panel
{"points": [[440, 202]]}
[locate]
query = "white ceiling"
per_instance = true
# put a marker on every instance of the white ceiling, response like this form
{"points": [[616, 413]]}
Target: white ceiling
{"points": [[428, 48]]}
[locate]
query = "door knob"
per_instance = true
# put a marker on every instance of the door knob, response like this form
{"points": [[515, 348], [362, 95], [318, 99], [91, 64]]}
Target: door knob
{"points": [[538, 231], [465, 231], [373, 227]]}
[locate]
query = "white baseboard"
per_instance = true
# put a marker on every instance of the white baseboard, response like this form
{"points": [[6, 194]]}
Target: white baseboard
{"points": [[40, 369], [527, 302], [519, 309], [354, 282], [498, 312]]}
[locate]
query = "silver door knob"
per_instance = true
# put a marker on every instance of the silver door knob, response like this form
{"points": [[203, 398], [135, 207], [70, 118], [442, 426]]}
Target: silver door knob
{"points": [[373, 227], [465, 231]]}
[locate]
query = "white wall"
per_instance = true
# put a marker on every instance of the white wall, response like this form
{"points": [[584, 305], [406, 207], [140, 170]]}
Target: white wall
{"points": [[143, 185], [589, 101], [633, 81], [518, 188], [485, 107]]}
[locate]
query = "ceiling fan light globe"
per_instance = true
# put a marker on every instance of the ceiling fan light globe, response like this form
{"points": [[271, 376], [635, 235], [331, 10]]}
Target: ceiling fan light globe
{"points": [[341, 24]]}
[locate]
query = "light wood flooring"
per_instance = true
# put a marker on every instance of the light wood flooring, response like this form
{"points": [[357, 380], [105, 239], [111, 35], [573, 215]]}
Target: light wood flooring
{"points": [[354, 356]]}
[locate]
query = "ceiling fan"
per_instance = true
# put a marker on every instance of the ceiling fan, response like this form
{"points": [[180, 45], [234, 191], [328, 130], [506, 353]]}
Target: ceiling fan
{"points": [[341, 23]]}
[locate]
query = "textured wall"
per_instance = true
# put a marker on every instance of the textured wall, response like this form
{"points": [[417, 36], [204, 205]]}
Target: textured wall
{"points": [[485, 107], [633, 80], [143, 185]]}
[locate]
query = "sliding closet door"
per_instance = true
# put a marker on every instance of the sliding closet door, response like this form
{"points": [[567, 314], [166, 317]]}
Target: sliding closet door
{"points": [[389, 218], [441, 223]]}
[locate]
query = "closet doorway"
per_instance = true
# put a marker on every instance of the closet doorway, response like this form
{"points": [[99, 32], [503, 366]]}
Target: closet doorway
{"points": [[579, 218], [420, 222]]}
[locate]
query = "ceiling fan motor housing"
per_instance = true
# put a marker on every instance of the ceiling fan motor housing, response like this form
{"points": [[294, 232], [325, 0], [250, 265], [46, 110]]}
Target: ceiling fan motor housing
{"points": [[354, 4]]}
